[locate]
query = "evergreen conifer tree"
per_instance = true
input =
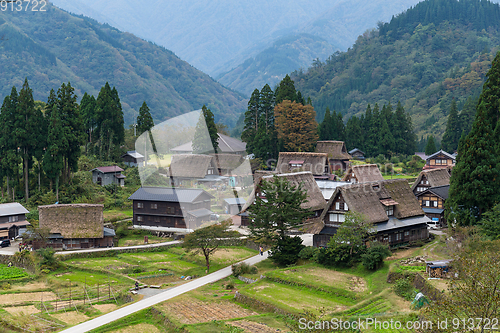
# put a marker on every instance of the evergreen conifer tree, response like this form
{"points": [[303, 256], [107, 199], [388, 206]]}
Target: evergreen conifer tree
{"points": [[144, 120], [475, 179], [205, 139], [453, 131], [286, 90], [430, 148], [57, 144], [324, 127]]}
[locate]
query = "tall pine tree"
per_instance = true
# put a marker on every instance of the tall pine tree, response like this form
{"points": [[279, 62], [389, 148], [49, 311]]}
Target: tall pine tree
{"points": [[453, 131], [476, 176], [205, 139]]}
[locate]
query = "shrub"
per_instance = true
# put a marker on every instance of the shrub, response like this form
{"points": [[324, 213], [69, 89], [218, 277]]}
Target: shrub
{"points": [[374, 256], [137, 270], [121, 232], [6, 286], [243, 268], [230, 286], [286, 251], [308, 252], [48, 259], [404, 288]]}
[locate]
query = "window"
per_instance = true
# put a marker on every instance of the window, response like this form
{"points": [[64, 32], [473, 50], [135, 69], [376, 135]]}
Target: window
{"points": [[139, 218], [407, 233], [435, 203], [337, 217], [389, 210], [210, 171], [140, 205], [427, 203], [157, 219], [170, 210], [345, 206], [337, 205], [13, 218], [398, 236], [154, 206]]}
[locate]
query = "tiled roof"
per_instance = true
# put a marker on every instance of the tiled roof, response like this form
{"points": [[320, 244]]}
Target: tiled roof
{"points": [[108, 169]]}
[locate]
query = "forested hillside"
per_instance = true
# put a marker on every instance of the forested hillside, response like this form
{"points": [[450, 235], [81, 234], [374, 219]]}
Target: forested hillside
{"points": [[425, 57], [52, 47], [272, 64]]}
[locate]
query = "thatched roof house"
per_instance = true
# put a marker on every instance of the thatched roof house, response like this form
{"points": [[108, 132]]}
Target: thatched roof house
{"points": [[389, 205], [315, 200], [226, 163], [431, 178], [363, 173], [316, 163], [75, 225], [227, 145], [337, 154], [191, 166]]}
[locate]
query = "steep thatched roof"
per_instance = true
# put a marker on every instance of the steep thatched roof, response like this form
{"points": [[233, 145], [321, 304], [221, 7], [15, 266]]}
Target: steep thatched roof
{"points": [[336, 150], [190, 165], [369, 198], [313, 162], [228, 161], [364, 173], [261, 173], [306, 180], [436, 177], [73, 220]]}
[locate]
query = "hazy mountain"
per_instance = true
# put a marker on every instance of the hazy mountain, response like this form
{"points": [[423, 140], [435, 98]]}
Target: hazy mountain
{"points": [[436, 51], [217, 36], [53, 47], [272, 64]]}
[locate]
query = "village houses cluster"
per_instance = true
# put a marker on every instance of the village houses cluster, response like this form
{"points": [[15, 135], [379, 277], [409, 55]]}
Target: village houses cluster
{"points": [[400, 214]]}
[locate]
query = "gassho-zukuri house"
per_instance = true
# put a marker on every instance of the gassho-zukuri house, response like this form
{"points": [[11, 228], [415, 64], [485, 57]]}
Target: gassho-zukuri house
{"points": [[389, 205]]}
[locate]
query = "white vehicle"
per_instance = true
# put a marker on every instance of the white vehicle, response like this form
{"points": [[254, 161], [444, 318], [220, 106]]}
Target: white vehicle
{"points": [[434, 224]]}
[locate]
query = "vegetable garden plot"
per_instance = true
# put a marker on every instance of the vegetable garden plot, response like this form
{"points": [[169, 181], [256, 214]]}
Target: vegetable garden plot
{"points": [[9, 273]]}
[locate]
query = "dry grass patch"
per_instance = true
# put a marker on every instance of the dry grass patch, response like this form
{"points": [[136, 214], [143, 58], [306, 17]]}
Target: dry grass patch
{"points": [[21, 310], [9, 299], [400, 254], [252, 327], [139, 328], [441, 284], [70, 317], [336, 279], [30, 286], [192, 312], [105, 308]]}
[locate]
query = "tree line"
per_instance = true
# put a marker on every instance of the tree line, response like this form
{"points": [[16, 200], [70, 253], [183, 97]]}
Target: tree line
{"points": [[279, 120], [47, 138], [377, 131]]}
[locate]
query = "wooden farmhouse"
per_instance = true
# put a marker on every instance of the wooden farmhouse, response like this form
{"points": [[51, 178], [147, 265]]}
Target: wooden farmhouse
{"points": [[133, 158], [316, 163], [186, 168], [12, 220], [431, 178], [170, 209], [432, 202], [389, 205], [315, 200], [440, 159], [357, 154], [74, 226], [338, 158], [227, 145], [108, 175], [362, 174], [233, 205]]}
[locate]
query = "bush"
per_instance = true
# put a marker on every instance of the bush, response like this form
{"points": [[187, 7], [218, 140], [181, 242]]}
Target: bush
{"points": [[137, 270], [286, 251], [121, 232], [308, 252], [374, 256], [243, 268], [404, 288], [337, 254], [230, 286], [48, 259]]}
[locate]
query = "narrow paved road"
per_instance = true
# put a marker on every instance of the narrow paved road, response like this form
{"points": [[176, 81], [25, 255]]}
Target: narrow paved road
{"points": [[117, 248], [153, 300]]}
